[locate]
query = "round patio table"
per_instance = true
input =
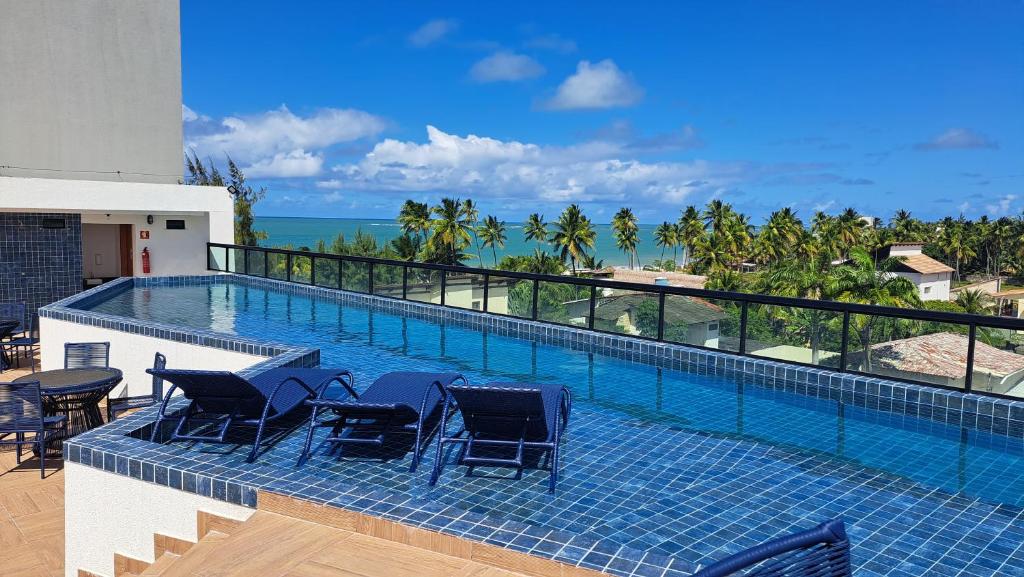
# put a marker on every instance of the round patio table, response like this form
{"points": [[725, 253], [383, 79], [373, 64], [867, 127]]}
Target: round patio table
{"points": [[76, 393]]}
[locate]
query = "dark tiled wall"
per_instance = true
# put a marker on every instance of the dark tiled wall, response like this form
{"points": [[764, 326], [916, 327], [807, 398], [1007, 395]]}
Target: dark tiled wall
{"points": [[39, 265]]}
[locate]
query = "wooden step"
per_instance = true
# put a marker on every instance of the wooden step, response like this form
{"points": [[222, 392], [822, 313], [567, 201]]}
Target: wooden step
{"points": [[161, 564]]}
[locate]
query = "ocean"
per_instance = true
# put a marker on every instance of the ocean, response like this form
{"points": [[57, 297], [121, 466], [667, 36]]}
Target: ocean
{"points": [[304, 232]]}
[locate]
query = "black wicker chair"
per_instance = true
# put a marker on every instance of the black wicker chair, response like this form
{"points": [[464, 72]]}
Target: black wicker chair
{"points": [[27, 343], [86, 355], [118, 405], [21, 414], [823, 551]]}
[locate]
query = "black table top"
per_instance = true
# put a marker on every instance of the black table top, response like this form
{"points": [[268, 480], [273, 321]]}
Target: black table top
{"points": [[57, 381]]}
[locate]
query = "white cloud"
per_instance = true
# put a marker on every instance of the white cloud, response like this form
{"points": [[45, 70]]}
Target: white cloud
{"points": [[294, 164], [187, 114], [432, 31], [279, 139], [552, 42], [957, 138], [487, 167], [505, 66], [1002, 206], [600, 85]]}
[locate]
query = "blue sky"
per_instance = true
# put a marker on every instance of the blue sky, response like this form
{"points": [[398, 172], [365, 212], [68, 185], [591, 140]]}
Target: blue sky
{"points": [[347, 109]]}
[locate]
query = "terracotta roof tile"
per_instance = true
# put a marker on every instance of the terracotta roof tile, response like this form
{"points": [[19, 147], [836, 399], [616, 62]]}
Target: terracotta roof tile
{"points": [[923, 264], [944, 354]]}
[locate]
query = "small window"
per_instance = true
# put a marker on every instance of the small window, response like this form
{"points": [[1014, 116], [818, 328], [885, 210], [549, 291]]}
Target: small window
{"points": [[712, 326], [927, 289], [476, 305], [175, 224], [54, 223]]}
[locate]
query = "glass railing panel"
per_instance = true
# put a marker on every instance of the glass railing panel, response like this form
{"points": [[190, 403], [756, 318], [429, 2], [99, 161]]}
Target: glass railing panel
{"points": [[563, 303], [626, 312], [236, 260], [256, 264], [464, 290], [277, 265], [998, 362], [510, 296], [711, 323], [424, 285], [217, 258], [926, 351], [795, 334], [387, 280], [327, 271], [302, 269], [355, 276]]}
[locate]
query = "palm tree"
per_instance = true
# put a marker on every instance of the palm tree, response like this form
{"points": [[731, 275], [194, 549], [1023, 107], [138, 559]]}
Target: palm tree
{"points": [[973, 301], [536, 229], [665, 236], [415, 218], [574, 234], [691, 228], [472, 216], [861, 282], [626, 231], [850, 227], [904, 226], [493, 235], [810, 278], [954, 242], [451, 230]]}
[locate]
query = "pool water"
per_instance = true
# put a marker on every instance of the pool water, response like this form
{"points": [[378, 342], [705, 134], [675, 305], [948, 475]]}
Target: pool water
{"points": [[657, 459]]}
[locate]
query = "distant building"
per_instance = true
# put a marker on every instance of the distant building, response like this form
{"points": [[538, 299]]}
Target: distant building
{"points": [[931, 277], [688, 320], [91, 156]]}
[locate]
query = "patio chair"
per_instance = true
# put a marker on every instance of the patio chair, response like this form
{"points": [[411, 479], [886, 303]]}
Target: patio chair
{"points": [[28, 342], [823, 551], [118, 405], [21, 413], [221, 400], [398, 401], [505, 416], [86, 355], [16, 311]]}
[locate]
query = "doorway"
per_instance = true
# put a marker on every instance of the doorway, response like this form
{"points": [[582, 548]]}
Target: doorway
{"points": [[125, 249]]}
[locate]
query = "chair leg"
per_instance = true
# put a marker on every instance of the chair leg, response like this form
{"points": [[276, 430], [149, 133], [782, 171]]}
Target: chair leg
{"points": [[309, 436], [255, 444], [41, 443], [19, 439]]}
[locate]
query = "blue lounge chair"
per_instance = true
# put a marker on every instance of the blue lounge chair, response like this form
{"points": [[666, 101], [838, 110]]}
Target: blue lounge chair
{"points": [[224, 400], [823, 551], [118, 405], [21, 413], [505, 416], [404, 401]]}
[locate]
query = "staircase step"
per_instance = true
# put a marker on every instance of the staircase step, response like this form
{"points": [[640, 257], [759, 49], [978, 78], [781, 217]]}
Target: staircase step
{"points": [[160, 565], [199, 557]]}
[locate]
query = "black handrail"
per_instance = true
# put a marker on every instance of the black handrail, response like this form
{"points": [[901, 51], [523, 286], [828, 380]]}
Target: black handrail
{"points": [[971, 321]]}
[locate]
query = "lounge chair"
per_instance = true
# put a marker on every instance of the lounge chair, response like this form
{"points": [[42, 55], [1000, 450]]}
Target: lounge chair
{"points": [[224, 400], [21, 413], [823, 551], [506, 416], [118, 405], [403, 401]]}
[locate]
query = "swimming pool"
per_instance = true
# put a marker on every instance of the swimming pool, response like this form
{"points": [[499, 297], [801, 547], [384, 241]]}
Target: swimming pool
{"points": [[685, 465]]}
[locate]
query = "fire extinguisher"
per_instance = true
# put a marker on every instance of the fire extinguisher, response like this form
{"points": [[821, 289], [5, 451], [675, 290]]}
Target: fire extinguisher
{"points": [[145, 260]]}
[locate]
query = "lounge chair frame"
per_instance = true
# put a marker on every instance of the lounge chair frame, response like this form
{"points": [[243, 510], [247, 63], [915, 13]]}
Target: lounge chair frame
{"points": [[823, 551], [223, 422], [468, 440], [382, 417]]}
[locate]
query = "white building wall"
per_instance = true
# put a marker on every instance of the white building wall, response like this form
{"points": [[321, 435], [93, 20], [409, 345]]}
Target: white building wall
{"points": [[934, 287], [90, 88], [106, 513], [133, 354]]}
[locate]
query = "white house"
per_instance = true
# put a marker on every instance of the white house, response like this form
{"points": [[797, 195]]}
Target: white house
{"points": [[931, 277], [91, 149]]}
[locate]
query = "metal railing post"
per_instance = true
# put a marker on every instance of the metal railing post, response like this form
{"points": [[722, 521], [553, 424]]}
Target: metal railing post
{"points": [[245, 260], [743, 328], [341, 273], [536, 293], [369, 282], [844, 347], [444, 285], [405, 282], [661, 316], [972, 334], [288, 266], [487, 289], [266, 263], [312, 270], [593, 307]]}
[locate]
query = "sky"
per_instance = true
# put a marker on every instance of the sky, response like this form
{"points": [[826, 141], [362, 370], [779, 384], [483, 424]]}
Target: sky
{"points": [[345, 109]]}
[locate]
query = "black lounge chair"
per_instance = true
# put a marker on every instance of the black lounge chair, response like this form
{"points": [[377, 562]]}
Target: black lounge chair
{"points": [[505, 416], [823, 551], [21, 413], [223, 399], [118, 405], [405, 401]]}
